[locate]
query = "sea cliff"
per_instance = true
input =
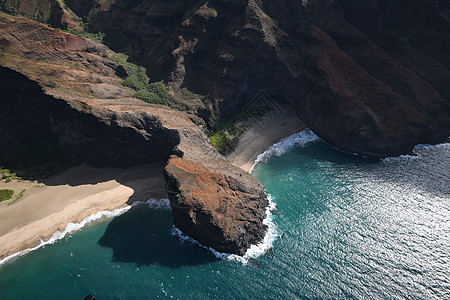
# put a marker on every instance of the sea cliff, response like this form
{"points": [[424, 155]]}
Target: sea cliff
{"points": [[61, 85], [369, 79]]}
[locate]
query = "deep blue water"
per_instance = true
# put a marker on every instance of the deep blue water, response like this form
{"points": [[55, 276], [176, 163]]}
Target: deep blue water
{"points": [[348, 227]]}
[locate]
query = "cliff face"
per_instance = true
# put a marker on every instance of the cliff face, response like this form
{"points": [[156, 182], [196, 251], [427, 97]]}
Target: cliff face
{"points": [[369, 77], [57, 84], [53, 12]]}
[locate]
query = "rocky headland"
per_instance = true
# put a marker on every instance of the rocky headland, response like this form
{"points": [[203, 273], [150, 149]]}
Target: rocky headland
{"points": [[62, 85], [370, 78]]}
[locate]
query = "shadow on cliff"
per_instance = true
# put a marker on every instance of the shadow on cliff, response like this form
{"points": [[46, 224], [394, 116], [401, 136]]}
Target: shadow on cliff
{"points": [[144, 236]]}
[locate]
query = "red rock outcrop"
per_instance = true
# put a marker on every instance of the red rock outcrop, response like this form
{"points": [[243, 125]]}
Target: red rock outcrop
{"points": [[51, 82]]}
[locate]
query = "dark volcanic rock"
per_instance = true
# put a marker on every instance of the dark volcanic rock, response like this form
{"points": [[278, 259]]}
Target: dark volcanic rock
{"points": [[123, 71], [213, 201], [370, 77], [230, 220]]}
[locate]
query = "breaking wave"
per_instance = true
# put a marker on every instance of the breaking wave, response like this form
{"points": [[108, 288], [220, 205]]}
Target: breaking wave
{"points": [[302, 139], [70, 228], [254, 251], [417, 151], [152, 203]]}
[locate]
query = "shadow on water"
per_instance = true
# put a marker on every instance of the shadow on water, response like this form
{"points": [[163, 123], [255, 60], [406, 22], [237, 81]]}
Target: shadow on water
{"points": [[143, 236]]}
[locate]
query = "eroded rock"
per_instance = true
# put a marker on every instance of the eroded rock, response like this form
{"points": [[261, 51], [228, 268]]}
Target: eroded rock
{"points": [[213, 201]]}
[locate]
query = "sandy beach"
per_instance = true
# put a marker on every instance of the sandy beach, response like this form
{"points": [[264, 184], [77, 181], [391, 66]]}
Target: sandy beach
{"points": [[70, 197], [263, 133], [50, 205]]}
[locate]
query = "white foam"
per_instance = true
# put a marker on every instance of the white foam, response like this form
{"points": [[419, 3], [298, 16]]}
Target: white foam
{"points": [[178, 233], [70, 228], [267, 243], [254, 251], [302, 139], [428, 146], [416, 151], [163, 204], [152, 203]]}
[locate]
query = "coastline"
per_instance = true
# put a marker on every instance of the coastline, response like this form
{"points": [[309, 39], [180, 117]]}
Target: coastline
{"points": [[71, 197], [263, 133], [48, 207]]}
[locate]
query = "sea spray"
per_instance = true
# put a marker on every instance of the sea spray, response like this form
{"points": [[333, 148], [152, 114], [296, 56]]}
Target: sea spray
{"points": [[152, 203], [254, 251], [163, 204], [301, 139], [70, 228], [267, 243], [417, 151]]}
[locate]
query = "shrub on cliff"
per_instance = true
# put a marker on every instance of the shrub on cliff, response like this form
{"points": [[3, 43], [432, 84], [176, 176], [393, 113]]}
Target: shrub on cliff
{"points": [[154, 93], [222, 142], [6, 195], [138, 80], [134, 83], [159, 89]]}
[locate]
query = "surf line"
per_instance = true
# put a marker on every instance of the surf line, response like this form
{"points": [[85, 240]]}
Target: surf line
{"points": [[98, 216]]}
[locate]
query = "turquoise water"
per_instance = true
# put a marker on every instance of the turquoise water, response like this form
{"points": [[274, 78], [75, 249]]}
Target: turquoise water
{"points": [[348, 227]]}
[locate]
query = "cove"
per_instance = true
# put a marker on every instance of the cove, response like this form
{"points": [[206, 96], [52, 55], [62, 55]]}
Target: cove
{"points": [[347, 227]]}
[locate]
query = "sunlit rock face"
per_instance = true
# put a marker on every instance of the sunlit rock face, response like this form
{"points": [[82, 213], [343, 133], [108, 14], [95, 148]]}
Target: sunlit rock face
{"points": [[60, 85], [369, 77]]}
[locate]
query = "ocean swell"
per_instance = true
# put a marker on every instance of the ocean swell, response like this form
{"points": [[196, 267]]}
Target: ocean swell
{"points": [[301, 139]]}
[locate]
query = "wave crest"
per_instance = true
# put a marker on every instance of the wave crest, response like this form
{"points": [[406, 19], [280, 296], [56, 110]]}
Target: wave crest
{"points": [[302, 139], [254, 251], [70, 228]]}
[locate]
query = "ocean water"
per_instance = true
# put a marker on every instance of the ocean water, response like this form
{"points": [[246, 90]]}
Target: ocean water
{"points": [[346, 228]]}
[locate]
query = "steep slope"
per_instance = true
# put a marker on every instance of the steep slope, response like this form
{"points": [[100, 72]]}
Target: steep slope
{"points": [[57, 84], [369, 77]]}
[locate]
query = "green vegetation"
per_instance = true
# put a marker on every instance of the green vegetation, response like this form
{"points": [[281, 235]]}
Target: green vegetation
{"points": [[155, 92], [222, 142], [99, 36], [6, 195], [8, 176], [148, 96], [4, 171], [230, 128], [134, 83], [18, 196]]}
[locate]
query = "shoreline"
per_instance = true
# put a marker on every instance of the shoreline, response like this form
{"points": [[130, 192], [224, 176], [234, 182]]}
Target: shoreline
{"points": [[78, 193], [263, 133], [71, 197]]}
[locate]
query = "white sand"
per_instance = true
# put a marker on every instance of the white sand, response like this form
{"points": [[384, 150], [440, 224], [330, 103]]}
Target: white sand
{"points": [[82, 191], [71, 197], [263, 133]]}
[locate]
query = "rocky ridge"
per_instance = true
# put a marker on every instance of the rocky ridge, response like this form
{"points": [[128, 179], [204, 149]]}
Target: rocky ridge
{"points": [[368, 77], [62, 85]]}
